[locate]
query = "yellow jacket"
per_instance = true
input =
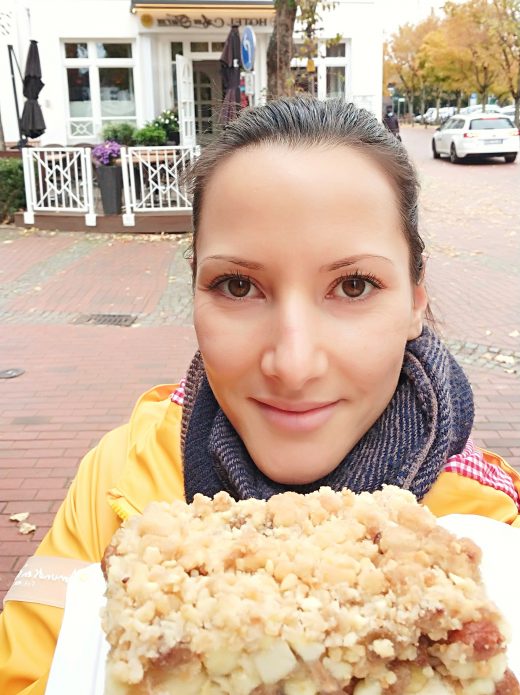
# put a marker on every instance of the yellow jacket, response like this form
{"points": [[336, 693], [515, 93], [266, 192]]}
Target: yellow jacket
{"points": [[131, 466]]}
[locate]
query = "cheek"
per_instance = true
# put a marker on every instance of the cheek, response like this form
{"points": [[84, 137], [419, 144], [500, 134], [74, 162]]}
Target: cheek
{"points": [[226, 342]]}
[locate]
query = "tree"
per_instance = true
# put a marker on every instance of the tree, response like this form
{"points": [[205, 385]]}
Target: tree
{"points": [[281, 49], [404, 56], [468, 27], [506, 28]]}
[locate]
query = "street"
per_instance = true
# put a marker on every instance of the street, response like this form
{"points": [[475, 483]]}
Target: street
{"points": [[81, 380]]}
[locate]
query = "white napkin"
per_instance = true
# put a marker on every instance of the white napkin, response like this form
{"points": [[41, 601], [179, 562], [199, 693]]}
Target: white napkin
{"points": [[79, 661]]}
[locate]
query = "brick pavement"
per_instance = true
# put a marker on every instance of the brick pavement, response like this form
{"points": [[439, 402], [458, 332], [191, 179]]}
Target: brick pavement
{"points": [[81, 381]]}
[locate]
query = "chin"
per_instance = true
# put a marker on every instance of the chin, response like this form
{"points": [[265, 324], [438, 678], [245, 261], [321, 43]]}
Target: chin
{"points": [[290, 475]]}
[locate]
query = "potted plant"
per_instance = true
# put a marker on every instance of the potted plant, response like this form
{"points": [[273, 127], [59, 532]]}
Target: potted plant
{"points": [[109, 176], [123, 133], [150, 135], [169, 121]]}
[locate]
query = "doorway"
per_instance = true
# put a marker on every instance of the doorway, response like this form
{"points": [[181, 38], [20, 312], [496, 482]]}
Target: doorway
{"points": [[207, 95]]}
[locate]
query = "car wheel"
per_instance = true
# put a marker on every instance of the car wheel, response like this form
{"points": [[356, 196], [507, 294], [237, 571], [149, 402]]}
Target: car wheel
{"points": [[454, 159], [436, 155], [510, 158]]}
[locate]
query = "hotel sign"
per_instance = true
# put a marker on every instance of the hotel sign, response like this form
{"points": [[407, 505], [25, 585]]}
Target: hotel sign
{"points": [[184, 21]]}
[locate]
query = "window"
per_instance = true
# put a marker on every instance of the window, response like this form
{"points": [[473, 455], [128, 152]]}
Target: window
{"points": [[176, 49], [490, 123], [78, 80], [76, 50], [100, 84], [335, 82], [114, 50], [217, 46], [337, 50], [199, 47]]}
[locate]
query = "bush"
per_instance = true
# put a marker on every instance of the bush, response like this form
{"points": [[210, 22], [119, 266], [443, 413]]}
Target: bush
{"points": [[123, 133], [12, 188], [151, 135]]}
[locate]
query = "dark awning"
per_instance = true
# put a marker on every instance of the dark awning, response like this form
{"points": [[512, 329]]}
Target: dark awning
{"points": [[202, 4]]}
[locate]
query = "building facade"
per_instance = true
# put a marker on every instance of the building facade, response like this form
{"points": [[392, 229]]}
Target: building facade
{"points": [[128, 60]]}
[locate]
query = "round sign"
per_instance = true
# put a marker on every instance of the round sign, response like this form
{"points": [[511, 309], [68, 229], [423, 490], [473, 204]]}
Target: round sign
{"points": [[248, 48]]}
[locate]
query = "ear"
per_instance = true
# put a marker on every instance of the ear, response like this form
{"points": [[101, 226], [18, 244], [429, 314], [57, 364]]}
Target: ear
{"points": [[420, 302]]}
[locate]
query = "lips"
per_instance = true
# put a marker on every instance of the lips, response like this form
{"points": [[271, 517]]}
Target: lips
{"points": [[297, 417]]}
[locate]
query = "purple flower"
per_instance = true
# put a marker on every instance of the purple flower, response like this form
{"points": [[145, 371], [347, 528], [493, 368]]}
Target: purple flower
{"points": [[106, 153]]}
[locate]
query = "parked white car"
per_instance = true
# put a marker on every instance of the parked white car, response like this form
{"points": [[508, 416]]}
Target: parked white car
{"points": [[477, 108], [477, 134]]}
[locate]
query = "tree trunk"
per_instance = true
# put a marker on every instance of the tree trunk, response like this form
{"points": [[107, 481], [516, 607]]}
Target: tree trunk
{"points": [[411, 106], [517, 111], [459, 101], [423, 104], [280, 50]]}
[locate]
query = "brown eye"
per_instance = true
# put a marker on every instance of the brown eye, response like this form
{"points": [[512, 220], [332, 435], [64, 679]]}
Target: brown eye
{"points": [[238, 287], [354, 287]]}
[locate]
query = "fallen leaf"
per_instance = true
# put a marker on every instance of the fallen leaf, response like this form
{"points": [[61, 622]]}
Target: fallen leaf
{"points": [[488, 332], [514, 334], [26, 528], [20, 516], [505, 359]]}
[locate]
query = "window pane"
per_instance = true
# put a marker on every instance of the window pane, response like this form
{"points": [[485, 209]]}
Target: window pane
{"points": [[117, 92], [176, 48], [78, 80], [491, 124], [217, 46], [114, 50], [76, 50], [199, 46], [336, 82], [336, 51]]}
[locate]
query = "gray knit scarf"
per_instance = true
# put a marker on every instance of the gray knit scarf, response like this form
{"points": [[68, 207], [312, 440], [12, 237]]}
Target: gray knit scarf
{"points": [[428, 420]]}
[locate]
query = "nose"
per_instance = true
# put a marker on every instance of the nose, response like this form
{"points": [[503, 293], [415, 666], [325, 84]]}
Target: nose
{"points": [[295, 351]]}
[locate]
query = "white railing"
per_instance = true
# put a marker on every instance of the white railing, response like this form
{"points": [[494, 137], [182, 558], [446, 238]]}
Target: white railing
{"points": [[153, 180], [58, 180]]}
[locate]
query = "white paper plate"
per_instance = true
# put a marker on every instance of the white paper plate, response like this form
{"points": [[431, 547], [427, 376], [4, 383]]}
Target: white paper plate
{"points": [[79, 661]]}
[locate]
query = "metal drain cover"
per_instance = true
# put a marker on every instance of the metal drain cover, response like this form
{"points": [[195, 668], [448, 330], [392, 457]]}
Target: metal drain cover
{"points": [[11, 373], [124, 320]]}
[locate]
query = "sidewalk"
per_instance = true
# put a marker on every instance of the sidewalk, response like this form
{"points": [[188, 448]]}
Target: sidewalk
{"points": [[81, 380]]}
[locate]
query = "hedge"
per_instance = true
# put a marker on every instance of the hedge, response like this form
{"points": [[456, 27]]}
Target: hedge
{"points": [[12, 189]]}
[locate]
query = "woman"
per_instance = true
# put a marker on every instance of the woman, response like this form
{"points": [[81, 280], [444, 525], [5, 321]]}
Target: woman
{"points": [[315, 366]]}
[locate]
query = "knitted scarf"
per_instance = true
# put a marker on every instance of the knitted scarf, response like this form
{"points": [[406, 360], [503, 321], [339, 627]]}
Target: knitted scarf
{"points": [[428, 420]]}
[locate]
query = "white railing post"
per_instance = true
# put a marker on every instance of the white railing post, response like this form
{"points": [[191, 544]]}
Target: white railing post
{"points": [[28, 172], [126, 165], [90, 217]]}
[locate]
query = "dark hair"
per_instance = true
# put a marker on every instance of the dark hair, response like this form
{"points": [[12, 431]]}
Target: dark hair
{"points": [[305, 121]]}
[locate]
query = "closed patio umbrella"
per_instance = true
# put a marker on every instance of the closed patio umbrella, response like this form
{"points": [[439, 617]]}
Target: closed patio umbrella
{"points": [[230, 71], [32, 124]]}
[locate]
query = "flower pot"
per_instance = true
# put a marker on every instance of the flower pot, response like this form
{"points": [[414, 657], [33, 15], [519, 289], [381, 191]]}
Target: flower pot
{"points": [[174, 139], [110, 179]]}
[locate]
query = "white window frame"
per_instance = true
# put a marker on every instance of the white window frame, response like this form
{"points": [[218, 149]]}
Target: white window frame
{"points": [[322, 62], [93, 63]]}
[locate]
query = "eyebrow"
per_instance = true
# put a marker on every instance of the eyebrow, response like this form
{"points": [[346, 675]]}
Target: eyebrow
{"points": [[342, 263]]}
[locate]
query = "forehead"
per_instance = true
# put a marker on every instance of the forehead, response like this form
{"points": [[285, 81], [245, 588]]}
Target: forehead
{"points": [[273, 197]]}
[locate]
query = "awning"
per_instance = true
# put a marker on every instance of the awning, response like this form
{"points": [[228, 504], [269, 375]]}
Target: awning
{"points": [[202, 5]]}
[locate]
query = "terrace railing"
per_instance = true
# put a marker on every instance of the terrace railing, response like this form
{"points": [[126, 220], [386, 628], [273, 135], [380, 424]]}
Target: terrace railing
{"points": [[153, 180], [58, 179]]}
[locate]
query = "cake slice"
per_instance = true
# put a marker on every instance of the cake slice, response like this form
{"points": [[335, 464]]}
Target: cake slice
{"points": [[329, 592]]}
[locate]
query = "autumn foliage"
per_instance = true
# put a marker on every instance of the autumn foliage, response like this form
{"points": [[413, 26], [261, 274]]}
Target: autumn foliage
{"points": [[473, 47]]}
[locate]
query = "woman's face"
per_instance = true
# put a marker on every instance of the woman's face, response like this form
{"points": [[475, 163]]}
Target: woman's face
{"points": [[303, 302]]}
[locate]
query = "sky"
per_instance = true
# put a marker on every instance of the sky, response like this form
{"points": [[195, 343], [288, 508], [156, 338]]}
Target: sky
{"points": [[396, 13]]}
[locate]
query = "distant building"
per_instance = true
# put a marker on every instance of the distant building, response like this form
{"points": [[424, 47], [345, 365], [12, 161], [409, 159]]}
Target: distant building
{"points": [[127, 60]]}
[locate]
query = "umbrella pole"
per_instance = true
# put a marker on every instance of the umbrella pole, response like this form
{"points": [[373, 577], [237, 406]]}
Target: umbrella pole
{"points": [[22, 142]]}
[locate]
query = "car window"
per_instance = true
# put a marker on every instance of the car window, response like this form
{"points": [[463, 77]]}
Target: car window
{"points": [[449, 124], [457, 124], [490, 123]]}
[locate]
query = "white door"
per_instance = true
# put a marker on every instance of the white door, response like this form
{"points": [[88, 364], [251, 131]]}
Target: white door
{"points": [[185, 101]]}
